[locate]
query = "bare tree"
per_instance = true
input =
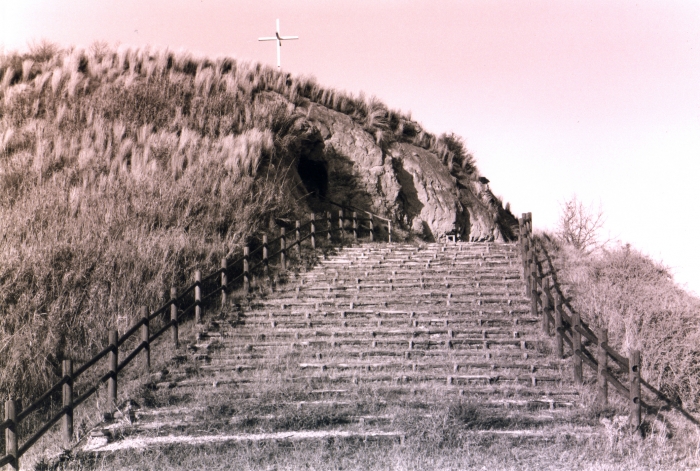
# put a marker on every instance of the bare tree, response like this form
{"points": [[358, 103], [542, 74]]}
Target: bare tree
{"points": [[580, 225]]}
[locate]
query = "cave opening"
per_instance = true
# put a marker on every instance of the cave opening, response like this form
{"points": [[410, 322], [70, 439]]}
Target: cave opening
{"points": [[314, 176]]}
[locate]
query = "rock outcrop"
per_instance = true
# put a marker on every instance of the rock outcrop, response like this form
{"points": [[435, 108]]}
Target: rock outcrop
{"points": [[342, 162]]}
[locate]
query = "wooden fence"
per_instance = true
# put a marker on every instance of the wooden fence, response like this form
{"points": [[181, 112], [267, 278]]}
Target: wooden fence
{"points": [[203, 292], [560, 320]]}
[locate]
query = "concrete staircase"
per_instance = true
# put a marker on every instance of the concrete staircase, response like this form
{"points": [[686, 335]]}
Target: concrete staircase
{"points": [[368, 340]]}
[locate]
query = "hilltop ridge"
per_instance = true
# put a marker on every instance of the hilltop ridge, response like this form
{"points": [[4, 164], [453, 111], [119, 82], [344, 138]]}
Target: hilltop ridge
{"points": [[122, 169]]}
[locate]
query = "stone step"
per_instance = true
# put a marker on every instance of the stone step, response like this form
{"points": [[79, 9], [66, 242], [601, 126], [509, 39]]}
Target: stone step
{"points": [[292, 313], [424, 379], [281, 321], [99, 445], [396, 366], [408, 279], [247, 354], [397, 301], [256, 343], [417, 336]]}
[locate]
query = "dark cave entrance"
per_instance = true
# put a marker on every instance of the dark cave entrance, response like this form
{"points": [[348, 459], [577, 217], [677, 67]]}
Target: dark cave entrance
{"points": [[314, 176]]}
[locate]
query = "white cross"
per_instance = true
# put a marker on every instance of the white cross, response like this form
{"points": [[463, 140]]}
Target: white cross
{"points": [[279, 40]]}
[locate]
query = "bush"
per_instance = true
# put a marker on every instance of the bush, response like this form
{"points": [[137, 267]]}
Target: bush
{"points": [[636, 299]]}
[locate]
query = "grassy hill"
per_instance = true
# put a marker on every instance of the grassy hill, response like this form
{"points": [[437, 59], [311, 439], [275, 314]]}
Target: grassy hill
{"points": [[123, 170], [636, 299]]}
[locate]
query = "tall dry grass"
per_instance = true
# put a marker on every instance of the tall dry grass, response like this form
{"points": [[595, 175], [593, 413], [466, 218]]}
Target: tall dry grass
{"points": [[636, 299], [123, 169], [121, 172]]}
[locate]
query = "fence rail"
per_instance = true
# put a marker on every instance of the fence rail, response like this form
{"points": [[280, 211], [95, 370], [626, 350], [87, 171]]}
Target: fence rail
{"points": [[547, 300], [193, 293]]}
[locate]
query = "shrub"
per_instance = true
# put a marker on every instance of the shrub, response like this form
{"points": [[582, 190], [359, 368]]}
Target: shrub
{"points": [[638, 302]]}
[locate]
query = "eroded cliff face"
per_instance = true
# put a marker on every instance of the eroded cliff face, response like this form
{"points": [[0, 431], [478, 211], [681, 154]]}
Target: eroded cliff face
{"points": [[341, 161]]}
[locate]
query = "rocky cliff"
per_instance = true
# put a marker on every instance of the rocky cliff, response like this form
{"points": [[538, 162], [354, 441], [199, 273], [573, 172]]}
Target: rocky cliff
{"points": [[342, 161]]}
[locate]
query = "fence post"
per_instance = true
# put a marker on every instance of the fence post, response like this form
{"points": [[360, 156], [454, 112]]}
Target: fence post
{"points": [[341, 223], [313, 231], [173, 317], [283, 248], [330, 224], [521, 240], [11, 433], [576, 340], [528, 270], [635, 390], [523, 249], [264, 250], [546, 306], [520, 233], [371, 227], [68, 402], [113, 365], [558, 327], [533, 289], [354, 225], [390, 232], [246, 275], [297, 227], [145, 335], [197, 297], [224, 281], [602, 367]]}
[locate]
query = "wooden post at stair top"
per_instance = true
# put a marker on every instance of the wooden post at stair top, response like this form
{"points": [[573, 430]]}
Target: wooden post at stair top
{"points": [[354, 225], [265, 260], [529, 246], [533, 290], [173, 317], [529, 225], [11, 433], [283, 248], [526, 270], [521, 232], [224, 281], [330, 224], [523, 252], [113, 364], [371, 228], [576, 340], [246, 275], [558, 327], [313, 231], [602, 398], [145, 335], [68, 403], [635, 390], [297, 228], [197, 297], [341, 223], [521, 241], [390, 232], [546, 306]]}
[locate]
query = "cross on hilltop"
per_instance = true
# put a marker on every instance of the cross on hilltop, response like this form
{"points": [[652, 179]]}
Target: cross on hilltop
{"points": [[279, 40]]}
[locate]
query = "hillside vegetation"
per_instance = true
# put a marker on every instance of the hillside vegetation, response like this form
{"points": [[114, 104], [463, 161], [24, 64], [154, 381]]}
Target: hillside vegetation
{"points": [[124, 170], [636, 299]]}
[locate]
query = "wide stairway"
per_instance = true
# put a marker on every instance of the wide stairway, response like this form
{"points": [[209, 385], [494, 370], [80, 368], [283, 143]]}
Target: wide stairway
{"points": [[369, 340]]}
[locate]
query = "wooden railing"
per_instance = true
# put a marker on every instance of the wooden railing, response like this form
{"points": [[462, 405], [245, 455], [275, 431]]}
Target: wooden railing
{"points": [[203, 292], [561, 320]]}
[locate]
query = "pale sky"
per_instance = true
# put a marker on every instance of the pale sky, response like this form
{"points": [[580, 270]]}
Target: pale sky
{"points": [[595, 98]]}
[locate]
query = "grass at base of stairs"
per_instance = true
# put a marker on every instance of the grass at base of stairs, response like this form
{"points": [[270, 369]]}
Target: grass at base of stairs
{"points": [[474, 451]]}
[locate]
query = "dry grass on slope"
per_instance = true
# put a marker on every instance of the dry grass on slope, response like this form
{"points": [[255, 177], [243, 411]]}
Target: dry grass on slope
{"points": [[638, 302], [123, 169]]}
